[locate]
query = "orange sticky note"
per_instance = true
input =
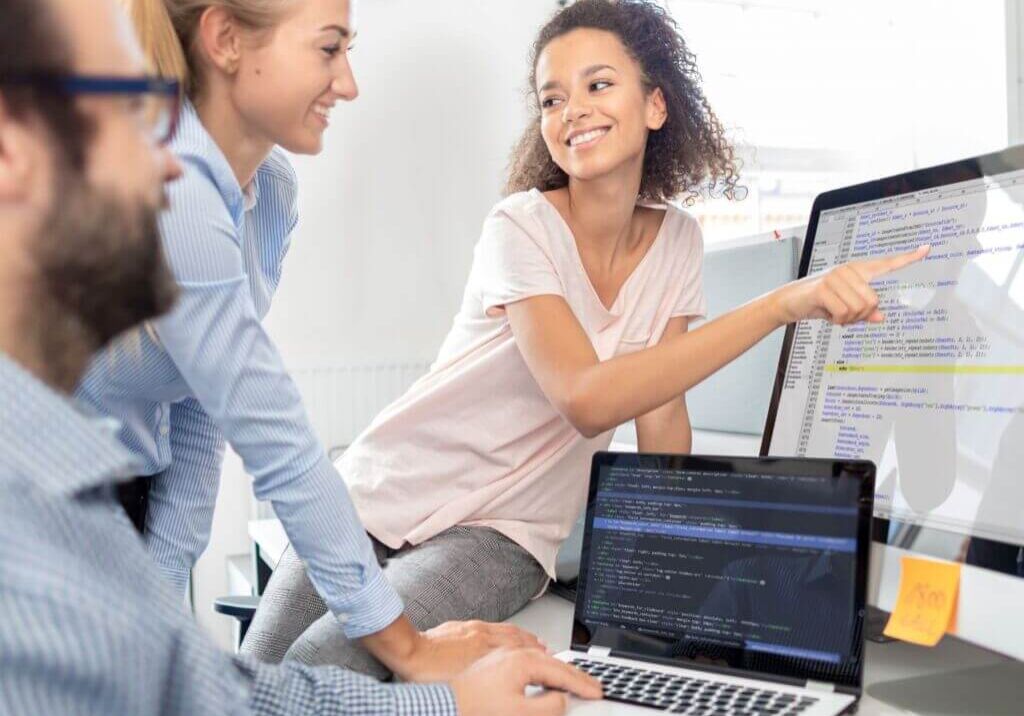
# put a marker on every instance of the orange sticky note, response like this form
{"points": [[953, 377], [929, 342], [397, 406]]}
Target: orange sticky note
{"points": [[926, 605]]}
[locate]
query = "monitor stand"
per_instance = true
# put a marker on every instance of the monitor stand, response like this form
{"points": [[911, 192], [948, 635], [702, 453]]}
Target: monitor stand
{"points": [[993, 690], [874, 625]]}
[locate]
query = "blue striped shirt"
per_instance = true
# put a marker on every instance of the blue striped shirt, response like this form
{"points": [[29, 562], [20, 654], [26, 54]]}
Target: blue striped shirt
{"points": [[87, 623], [209, 372]]}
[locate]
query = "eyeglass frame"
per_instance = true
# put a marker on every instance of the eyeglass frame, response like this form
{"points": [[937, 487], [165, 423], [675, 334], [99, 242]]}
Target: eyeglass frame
{"points": [[110, 85]]}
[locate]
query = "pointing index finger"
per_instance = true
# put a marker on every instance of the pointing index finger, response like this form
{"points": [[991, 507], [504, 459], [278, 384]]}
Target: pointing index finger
{"points": [[873, 268]]}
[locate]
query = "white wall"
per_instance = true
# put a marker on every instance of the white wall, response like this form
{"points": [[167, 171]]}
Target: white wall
{"points": [[228, 537], [391, 209]]}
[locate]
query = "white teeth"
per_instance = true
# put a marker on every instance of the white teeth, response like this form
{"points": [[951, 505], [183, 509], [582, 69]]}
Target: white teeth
{"points": [[324, 112], [587, 137]]}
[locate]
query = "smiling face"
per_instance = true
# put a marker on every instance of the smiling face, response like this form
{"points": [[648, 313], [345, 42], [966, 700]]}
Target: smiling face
{"points": [[596, 112], [289, 79]]}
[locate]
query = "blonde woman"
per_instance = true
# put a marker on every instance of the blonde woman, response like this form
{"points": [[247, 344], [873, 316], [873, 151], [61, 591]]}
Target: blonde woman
{"points": [[259, 74]]}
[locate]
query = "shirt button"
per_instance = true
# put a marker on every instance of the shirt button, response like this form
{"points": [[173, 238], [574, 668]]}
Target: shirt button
{"points": [[165, 430]]}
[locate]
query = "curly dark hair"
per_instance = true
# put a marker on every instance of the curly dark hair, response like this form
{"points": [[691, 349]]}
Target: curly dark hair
{"points": [[689, 156]]}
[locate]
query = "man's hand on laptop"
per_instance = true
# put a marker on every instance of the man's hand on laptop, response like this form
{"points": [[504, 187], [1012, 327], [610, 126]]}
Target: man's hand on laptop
{"points": [[496, 685], [843, 295], [440, 653]]}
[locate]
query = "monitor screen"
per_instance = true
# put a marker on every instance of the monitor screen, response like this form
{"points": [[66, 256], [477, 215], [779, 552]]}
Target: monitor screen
{"points": [[745, 563], [934, 395]]}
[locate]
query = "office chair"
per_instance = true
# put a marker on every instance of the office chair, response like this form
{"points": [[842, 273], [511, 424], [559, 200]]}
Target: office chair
{"points": [[242, 608]]}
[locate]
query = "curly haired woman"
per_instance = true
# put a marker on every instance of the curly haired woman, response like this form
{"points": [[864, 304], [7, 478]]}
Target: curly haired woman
{"points": [[574, 321]]}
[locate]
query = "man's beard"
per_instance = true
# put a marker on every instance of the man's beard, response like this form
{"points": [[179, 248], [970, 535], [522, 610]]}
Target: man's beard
{"points": [[101, 272]]}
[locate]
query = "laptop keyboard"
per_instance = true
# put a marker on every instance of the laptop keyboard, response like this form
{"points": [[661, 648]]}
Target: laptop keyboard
{"points": [[690, 694]]}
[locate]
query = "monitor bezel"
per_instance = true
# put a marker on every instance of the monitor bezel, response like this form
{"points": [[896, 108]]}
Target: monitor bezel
{"points": [[779, 668], [970, 169]]}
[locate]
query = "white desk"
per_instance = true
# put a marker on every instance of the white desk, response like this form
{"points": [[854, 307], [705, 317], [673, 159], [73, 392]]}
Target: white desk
{"points": [[899, 678], [897, 675], [952, 679]]}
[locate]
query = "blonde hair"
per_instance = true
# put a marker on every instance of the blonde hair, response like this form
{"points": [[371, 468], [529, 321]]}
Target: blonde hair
{"points": [[167, 31]]}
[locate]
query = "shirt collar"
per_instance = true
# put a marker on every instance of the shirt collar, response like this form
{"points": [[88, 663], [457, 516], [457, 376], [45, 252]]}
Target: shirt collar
{"points": [[251, 193], [193, 142], [48, 439]]}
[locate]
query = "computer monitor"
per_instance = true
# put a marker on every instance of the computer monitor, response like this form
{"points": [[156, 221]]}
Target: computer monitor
{"points": [[935, 394]]}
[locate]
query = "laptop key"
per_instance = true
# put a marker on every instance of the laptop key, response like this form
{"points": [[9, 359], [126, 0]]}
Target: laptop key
{"points": [[682, 694]]}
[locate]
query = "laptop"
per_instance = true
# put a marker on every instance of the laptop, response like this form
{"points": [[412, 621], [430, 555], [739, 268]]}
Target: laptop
{"points": [[723, 585]]}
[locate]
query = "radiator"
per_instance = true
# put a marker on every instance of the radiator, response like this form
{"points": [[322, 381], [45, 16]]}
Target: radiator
{"points": [[342, 400]]}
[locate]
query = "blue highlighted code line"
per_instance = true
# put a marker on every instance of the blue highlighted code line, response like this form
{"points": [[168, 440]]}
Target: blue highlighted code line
{"points": [[719, 502], [727, 534], [794, 652]]}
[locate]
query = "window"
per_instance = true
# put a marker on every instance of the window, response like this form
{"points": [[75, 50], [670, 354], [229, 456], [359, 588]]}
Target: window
{"points": [[823, 93]]}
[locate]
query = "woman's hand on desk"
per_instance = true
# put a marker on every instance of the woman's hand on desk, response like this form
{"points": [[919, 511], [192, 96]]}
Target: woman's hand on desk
{"points": [[496, 685], [842, 295], [440, 653]]}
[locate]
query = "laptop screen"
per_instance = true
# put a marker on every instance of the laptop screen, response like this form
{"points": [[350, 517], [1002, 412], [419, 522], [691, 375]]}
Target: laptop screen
{"points": [[749, 564]]}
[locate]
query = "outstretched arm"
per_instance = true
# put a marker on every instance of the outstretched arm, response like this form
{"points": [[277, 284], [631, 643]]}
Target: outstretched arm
{"points": [[596, 396]]}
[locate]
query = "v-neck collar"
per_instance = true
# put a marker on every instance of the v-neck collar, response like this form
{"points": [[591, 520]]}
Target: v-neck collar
{"points": [[615, 310]]}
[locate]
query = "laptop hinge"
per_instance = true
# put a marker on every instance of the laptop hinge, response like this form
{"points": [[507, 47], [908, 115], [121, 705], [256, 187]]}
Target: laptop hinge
{"points": [[599, 651], [820, 686]]}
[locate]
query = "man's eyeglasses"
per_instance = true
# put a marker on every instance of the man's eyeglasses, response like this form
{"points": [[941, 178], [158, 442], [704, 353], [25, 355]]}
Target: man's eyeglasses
{"points": [[158, 100]]}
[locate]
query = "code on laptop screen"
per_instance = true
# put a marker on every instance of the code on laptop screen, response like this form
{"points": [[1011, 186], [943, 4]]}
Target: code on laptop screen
{"points": [[745, 569]]}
